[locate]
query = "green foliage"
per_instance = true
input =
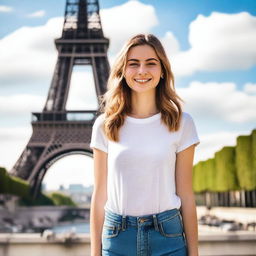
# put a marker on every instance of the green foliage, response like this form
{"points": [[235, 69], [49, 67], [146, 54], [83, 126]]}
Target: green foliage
{"points": [[16, 186], [42, 199], [244, 162], [203, 177], [232, 168], [254, 156], [195, 178], [210, 174], [61, 199], [199, 182], [13, 185], [3, 179], [226, 179]]}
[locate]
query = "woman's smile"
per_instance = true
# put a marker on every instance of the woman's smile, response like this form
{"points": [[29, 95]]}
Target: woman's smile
{"points": [[143, 69], [142, 81]]}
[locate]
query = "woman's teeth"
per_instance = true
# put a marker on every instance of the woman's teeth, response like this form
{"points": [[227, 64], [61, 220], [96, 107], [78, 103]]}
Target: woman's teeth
{"points": [[142, 80]]}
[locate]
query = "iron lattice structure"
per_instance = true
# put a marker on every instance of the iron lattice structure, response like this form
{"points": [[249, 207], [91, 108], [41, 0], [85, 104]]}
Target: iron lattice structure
{"points": [[56, 131]]}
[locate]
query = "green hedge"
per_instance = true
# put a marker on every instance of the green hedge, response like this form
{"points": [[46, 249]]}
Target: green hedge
{"points": [[225, 165], [41, 199], [232, 168], [254, 156], [3, 180], [210, 175], [244, 162], [13, 185], [198, 178], [61, 199], [195, 178], [16, 186]]}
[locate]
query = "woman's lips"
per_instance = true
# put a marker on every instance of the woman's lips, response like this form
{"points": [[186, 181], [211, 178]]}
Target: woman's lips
{"points": [[142, 81]]}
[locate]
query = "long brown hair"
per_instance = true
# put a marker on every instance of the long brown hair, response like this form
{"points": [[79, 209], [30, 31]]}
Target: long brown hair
{"points": [[116, 102]]}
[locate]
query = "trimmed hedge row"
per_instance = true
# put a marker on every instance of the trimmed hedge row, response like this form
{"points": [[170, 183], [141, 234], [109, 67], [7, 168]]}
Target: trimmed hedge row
{"points": [[232, 168], [13, 185], [61, 199], [16, 186]]}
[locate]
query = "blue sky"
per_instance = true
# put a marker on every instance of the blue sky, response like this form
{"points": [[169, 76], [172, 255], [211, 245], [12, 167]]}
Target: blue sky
{"points": [[211, 46]]}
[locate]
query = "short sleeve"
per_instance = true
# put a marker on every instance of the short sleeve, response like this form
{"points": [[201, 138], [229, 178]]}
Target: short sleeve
{"points": [[98, 137], [189, 134]]}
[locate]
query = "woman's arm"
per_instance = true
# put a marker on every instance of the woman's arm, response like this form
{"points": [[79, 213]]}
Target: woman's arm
{"points": [[99, 198], [184, 166]]}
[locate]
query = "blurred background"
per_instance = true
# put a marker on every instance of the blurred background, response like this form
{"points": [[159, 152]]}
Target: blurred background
{"points": [[211, 47]]}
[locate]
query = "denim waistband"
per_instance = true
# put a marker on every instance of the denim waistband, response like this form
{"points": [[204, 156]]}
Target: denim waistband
{"points": [[138, 220]]}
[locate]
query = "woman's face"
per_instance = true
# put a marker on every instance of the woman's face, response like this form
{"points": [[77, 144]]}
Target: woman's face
{"points": [[143, 68]]}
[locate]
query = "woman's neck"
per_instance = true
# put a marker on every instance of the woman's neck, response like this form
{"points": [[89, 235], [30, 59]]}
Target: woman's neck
{"points": [[143, 105]]}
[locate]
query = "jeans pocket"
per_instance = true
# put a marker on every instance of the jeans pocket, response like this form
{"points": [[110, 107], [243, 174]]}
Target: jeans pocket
{"points": [[171, 227], [110, 230]]}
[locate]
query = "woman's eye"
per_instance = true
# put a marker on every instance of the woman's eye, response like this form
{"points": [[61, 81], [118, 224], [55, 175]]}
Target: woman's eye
{"points": [[136, 64]]}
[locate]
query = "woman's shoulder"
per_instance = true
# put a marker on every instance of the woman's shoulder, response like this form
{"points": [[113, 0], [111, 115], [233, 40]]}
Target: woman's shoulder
{"points": [[100, 117], [99, 120], [186, 118], [186, 115]]}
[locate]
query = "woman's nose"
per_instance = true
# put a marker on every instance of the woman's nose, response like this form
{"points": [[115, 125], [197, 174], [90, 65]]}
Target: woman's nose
{"points": [[142, 70]]}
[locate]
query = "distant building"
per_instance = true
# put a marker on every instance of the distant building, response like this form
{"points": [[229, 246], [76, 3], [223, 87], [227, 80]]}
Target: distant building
{"points": [[80, 194]]}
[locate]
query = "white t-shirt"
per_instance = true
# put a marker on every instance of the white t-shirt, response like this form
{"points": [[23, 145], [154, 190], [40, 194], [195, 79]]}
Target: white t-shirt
{"points": [[141, 166]]}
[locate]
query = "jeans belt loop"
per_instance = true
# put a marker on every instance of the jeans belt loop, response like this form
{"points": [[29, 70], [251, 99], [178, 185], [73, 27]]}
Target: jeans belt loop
{"points": [[123, 223], [155, 222]]}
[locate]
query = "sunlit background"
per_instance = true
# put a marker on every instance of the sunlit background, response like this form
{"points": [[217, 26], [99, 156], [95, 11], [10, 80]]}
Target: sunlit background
{"points": [[211, 46]]}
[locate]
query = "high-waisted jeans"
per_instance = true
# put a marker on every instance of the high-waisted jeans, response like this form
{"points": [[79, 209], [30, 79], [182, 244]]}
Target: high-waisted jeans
{"points": [[148, 235]]}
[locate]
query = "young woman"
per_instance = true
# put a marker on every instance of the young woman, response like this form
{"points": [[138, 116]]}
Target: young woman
{"points": [[143, 146]]}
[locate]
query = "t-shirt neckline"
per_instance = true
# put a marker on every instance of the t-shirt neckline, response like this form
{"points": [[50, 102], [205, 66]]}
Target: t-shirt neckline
{"points": [[143, 120]]}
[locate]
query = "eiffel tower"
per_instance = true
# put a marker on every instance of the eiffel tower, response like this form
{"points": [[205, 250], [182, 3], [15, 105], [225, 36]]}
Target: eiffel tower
{"points": [[56, 131]]}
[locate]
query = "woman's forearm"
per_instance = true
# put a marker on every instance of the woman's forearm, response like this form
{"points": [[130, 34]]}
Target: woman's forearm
{"points": [[189, 216], [97, 215]]}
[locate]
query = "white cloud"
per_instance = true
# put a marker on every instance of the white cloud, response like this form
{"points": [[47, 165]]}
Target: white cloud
{"points": [[219, 102], [219, 42], [72, 169], [13, 141], [213, 142], [82, 94], [37, 14], [33, 58], [170, 43], [250, 88], [123, 21], [21, 104], [4, 8]]}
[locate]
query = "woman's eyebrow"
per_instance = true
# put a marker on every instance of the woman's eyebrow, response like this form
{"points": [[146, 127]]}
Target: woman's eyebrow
{"points": [[146, 59]]}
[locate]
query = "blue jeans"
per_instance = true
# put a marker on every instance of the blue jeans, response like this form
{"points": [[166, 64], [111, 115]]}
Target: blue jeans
{"points": [[148, 235]]}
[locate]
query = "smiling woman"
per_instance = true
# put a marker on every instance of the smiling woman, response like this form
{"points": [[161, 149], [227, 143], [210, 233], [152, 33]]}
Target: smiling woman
{"points": [[143, 146], [142, 70]]}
